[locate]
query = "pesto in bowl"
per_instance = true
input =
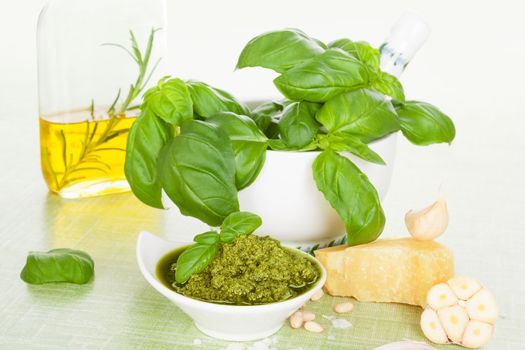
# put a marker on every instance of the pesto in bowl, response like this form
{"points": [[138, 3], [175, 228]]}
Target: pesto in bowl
{"points": [[253, 270]]}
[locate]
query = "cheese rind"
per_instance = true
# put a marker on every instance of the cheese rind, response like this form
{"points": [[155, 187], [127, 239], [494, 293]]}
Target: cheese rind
{"points": [[391, 270]]}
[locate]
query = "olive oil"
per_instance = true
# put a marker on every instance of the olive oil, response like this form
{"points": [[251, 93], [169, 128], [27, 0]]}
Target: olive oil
{"points": [[83, 154]]}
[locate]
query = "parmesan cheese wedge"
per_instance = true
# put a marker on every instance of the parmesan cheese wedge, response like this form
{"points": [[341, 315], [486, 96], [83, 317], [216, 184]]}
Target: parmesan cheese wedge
{"points": [[390, 270]]}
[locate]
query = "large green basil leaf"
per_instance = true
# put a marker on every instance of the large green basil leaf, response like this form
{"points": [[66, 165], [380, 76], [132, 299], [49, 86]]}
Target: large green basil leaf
{"points": [[424, 124], [360, 50], [323, 77], [170, 100], [389, 85], [242, 222], [297, 125], [58, 265], [208, 100], [197, 172], [194, 260], [146, 138], [265, 116], [279, 50], [366, 114], [354, 145], [249, 145], [351, 194]]}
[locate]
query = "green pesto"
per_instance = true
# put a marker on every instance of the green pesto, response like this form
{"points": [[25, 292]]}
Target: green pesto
{"points": [[251, 271]]}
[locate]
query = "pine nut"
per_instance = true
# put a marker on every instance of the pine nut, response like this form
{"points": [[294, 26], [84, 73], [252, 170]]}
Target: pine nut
{"points": [[308, 316], [312, 326], [343, 308], [296, 320], [318, 295]]}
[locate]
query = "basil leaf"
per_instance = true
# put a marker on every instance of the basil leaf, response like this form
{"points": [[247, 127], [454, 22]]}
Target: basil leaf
{"points": [[249, 145], [279, 145], [351, 194], [210, 237], [264, 117], [366, 114], [423, 124], [58, 265], [197, 172], [323, 77], [360, 50], [389, 85], [194, 260], [146, 138], [297, 125], [355, 146], [270, 108], [170, 100], [228, 236], [279, 50], [208, 101], [242, 223]]}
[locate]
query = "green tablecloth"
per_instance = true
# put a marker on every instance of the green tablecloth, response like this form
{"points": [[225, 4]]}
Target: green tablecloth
{"points": [[119, 310]]}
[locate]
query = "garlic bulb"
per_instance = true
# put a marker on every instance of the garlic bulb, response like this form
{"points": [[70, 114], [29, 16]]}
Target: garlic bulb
{"points": [[428, 223], [460, 311]]}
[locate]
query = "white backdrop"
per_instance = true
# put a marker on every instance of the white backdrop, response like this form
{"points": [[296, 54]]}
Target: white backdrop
{"points": [[471, 67]]}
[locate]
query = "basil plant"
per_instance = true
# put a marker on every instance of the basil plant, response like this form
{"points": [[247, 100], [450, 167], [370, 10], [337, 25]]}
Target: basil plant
{"points": [[200, 145]]}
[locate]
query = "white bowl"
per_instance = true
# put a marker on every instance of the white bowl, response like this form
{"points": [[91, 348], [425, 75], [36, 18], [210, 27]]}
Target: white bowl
{"points": [[227, 322], [285, 196]]}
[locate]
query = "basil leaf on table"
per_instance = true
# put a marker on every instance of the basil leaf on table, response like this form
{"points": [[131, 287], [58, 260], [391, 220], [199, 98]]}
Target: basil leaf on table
{"points": [[170, 100], [242, 223], [351, 194], [298, 125], [389, 85], [366, 114], [279, 50], [146, 138], [323, 77], [58, 265], [208, 100], [361, 50], [197, 172], [423, 124], [194, 260], [210, 237], [358, 148], [249, 145]]}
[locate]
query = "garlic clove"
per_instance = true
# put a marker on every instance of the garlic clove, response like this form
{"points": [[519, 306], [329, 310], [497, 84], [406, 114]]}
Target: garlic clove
{"points": [[431, 326], [428, 223], [464, 287], [477, 334], [440, 296], [482, 307], [454, 320]]}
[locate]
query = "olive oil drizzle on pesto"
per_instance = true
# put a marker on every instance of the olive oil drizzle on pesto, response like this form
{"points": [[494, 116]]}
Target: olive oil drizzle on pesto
{"points": [[271, 274]]}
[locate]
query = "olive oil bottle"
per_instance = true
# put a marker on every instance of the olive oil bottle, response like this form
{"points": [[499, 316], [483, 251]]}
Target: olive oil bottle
{"points": [[95, 61], [84, 157]]}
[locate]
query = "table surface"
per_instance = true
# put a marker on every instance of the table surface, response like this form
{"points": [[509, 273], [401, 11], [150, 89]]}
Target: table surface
{"points": [[120, 310]]}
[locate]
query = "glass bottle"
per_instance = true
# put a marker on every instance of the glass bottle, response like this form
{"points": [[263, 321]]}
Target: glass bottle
{"points": [[95, 59], [407, 36]]}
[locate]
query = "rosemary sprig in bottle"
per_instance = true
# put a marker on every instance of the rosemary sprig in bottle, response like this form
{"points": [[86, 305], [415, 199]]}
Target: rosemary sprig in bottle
{"points": [[88, 159]]}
